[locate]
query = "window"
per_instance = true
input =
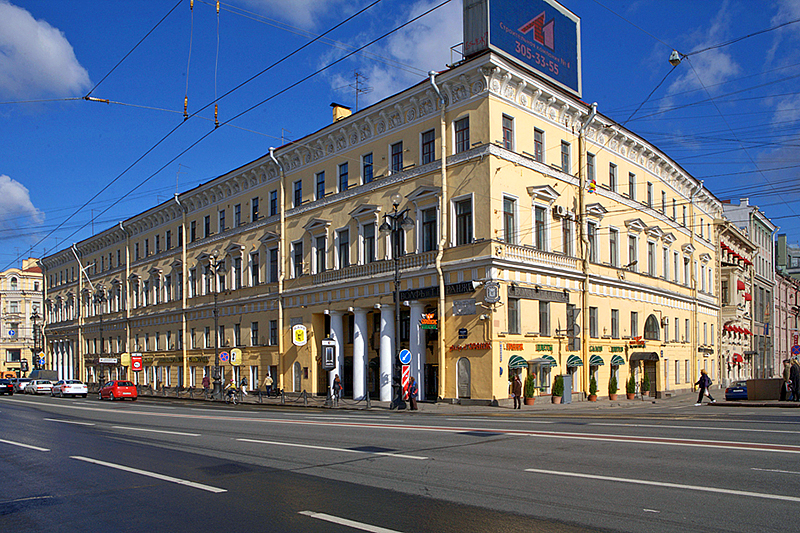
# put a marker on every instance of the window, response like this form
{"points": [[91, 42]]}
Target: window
{"points": [[298, 193], [253, 333], [273, 265], [591, 233], [462, 135], [206, 225], [687, 331], [538, 145], [651, 328], [633, 253], [273, 203], [573, 329], [237, 335], [665, 260], [320, 249], [429, 229], [366, 168], [255, 270], [397, 157], [664, 202], [513, 316], [273, 332], [674, 209], [632, 185], [686, 277], [344, 177], [193, 231], [221, 221], [146, 249], [463, 221], [677, 329], [344, 248], [168, 288], [428, 146], [167, 243], [593, 325], [237, 272], [612, 177], [566, 163], [207, 337], [508, 132], [544, 318], [613, 247], [254, 209], [566, 236], [509, 220], [634, 324], [319, 180], [539, 227], [684, 217], [651, 258], [136, 251], [615, 323], [676, 272], [649, 194], [297, 259], [368, 238], [590, 174], [237, 215]]}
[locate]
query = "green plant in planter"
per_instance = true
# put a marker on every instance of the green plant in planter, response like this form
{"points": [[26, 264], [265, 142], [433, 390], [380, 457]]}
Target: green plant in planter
{"points": [[612, 385], [646, 383], [630, 386], [529, 390], [593, 387], [558, 386]]}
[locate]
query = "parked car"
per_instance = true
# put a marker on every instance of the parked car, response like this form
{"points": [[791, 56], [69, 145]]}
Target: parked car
{"points": [[737, 391], [118, 390], [6, 387], [20, 384], [69, 387], [38, 385]]}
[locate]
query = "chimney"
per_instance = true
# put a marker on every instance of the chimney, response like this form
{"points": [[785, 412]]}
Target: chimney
{"points": [[340, 111], [744, 201]]}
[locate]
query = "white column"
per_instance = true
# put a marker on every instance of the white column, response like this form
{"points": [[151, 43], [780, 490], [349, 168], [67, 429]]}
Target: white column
{"points": [[417, 346], [337, 334], [359, 353], [387, 352]]}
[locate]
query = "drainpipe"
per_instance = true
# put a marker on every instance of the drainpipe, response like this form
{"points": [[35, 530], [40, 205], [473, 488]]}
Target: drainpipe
{"points": [[583, 183], [184, 287], [281, 265], [442, 239], [775, 364], [127, 289], [693, 274]]}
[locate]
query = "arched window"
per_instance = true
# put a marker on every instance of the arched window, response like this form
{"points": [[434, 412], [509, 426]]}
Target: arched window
{"points": [[651, 328], [14, 284]]}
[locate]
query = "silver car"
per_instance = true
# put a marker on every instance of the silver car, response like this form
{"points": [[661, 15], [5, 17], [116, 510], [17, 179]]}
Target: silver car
{"points": [[20, 384], [38, 385], [69, 387]]}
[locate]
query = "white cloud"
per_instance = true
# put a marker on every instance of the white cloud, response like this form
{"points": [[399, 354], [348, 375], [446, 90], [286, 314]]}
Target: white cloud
{"points": [[35, 58], [305, 13], [16, 207]]}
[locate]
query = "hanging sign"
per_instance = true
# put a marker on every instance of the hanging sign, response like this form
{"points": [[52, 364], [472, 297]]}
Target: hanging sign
{"points": [[236, 357], [299, 335], [136, 362], [428, 321]]}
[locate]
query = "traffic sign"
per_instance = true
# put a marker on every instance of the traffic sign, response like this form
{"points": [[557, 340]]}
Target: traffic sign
{"points": [[136, 362], [405, 357], [406, 378], [795, 350], [224, 356]]}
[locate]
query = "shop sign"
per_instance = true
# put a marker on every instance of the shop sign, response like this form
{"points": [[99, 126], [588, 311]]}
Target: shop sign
{"points": [[528, 293], [107, 360], [299, 335], [637, 342], [463, 333], [433, 292], [428, 321], [515, 346], [464, 307], [544, 347], [471, 346], [615, 349], [595, 348], [136, 362]]}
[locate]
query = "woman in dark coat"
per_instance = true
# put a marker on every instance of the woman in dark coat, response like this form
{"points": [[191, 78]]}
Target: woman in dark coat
{"points": [[794, 375], [516, 391], [704, 383]]}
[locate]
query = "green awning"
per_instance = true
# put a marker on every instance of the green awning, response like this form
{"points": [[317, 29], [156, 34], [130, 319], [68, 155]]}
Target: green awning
{"points": [[517, 361], [545, 360], [574, 360], [596, 360], [617, 360]]}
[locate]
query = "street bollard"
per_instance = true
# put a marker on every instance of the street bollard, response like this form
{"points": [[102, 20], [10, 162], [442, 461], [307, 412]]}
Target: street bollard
{"points": [[283, 398], [305, 398], [369, 404]]}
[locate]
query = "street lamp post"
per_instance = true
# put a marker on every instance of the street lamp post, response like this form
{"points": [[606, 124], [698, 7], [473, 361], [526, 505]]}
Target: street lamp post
{"points": [[215, 265], [35, 334], [99, 298], [394, 224]]}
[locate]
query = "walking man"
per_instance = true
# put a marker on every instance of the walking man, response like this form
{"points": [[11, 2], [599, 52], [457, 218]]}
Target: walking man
{"points": [[516, 391], [704, 383]]}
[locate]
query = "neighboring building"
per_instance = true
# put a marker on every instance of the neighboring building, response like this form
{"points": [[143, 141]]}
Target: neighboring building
{"points": [[511, 258], [787, 257], [736, 317], [760, 230], [786, 315], [20, 301]]}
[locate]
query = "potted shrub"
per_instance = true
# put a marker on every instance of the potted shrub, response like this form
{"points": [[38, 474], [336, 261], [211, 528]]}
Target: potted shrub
{"points": [[592, 390], [558, 389], [646, 385], [630, 388], [612, 388], [529, 390]]}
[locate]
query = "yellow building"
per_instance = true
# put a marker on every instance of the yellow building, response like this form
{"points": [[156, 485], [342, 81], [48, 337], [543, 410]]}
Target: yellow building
{"points": [[552, 234], [20, 317]]}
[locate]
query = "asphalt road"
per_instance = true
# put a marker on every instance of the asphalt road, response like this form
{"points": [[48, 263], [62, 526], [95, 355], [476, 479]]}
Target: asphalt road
{"points": [[171, 465]]}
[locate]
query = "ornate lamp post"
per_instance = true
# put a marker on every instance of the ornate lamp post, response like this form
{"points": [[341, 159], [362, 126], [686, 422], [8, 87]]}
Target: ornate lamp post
{"points": [[35, 334], [99, 297], [395, 224], [214, 267]]}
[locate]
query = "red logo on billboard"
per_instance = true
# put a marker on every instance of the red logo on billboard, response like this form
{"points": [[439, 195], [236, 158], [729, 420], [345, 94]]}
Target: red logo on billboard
{"points": [[543, 32], [136, 363]]}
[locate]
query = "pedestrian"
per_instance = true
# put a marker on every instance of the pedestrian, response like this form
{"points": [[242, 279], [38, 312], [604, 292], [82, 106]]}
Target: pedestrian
{"points": [[243, 383], [412, 393], [206, 384], [786, 386], [337, 390], [268, 385], [516, 391], [704, 383], [794, 375]]}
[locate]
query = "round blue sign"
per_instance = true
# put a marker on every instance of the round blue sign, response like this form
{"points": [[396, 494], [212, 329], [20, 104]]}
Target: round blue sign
{"points": [[795, 350], [405, 357], [224, 356]]}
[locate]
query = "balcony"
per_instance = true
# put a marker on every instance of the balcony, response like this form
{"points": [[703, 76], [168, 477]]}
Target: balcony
{"points": [[376, 268], [528, 254]]}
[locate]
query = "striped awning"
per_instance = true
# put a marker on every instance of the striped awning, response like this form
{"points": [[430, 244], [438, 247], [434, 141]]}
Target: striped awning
{"points": [[517, 361], [596, 360], [617, 360], [574, 360]]}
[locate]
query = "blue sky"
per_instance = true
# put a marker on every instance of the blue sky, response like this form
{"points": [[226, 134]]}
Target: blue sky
{"points": [[729, 115]]}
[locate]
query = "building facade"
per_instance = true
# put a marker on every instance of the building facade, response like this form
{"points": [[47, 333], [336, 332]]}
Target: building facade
{"points": [[786, 316], [21, 317], [549, 240], [787, 257]]}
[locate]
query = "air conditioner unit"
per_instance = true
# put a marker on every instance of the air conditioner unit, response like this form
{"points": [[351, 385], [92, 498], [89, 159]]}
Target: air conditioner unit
{"points": [[560, 211]]}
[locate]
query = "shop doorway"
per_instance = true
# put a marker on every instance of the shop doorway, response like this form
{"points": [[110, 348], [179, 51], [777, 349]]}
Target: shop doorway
{"points": [[464, 378], [431, 381]]}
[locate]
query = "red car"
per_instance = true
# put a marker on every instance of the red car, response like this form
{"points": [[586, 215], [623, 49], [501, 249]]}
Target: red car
{"points": [[118, 390]]}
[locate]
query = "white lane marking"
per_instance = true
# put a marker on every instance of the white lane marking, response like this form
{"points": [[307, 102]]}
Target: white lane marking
{"points": [[158, 431], [514, 421], [354, 417], [704, 428], [69, 422], [160, 407], [38, 449], [662, 484], [155, 475], [345, 522], [774, 470], [328, 448], [650, 511]]}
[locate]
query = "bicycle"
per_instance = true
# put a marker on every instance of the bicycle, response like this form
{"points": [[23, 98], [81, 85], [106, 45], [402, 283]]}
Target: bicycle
{"points": [[231, 396]]}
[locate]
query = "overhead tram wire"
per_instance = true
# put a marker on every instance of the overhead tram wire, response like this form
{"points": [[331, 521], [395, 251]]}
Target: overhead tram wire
{"points": [[189, 61], [318, 71]]}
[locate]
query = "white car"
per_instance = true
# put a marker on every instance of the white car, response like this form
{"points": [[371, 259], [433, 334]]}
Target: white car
{"points": [[69, 387], [38, 385], [20, 384]]}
